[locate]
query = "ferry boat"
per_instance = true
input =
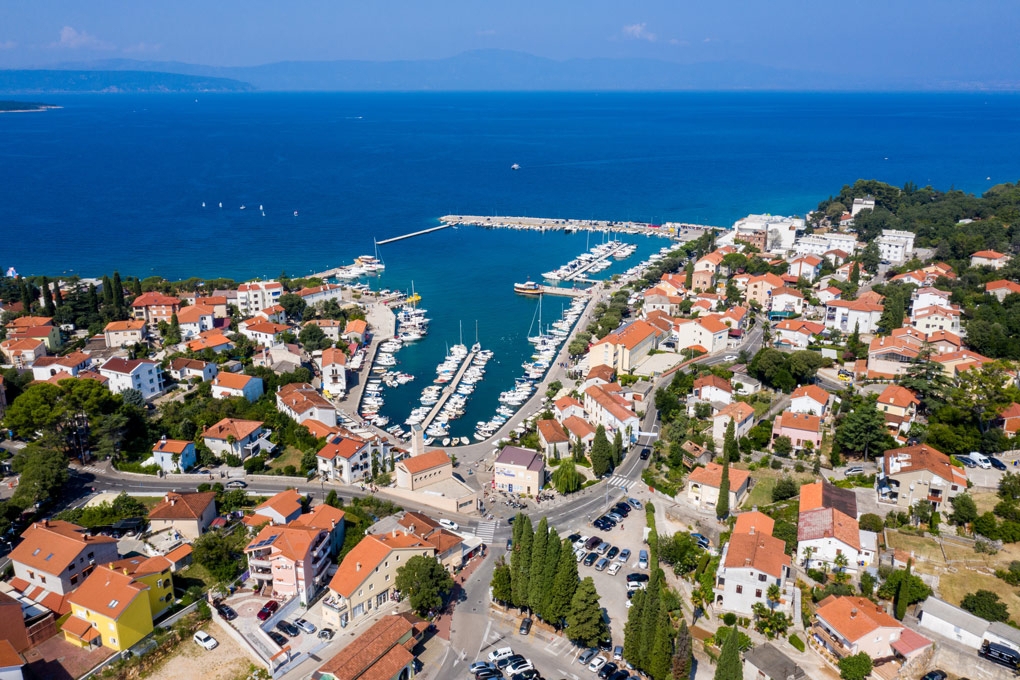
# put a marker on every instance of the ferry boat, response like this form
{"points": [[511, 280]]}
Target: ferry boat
{"points": [[528, 288]]}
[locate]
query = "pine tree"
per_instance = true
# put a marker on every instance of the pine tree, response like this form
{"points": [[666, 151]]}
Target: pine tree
{"points": [[520, 567], [564, 587], [632, 629], [601, 453], [585, 624], [730, 452], [722, 507], [661, 654], [173, 331], [617, 448], [730, 666], [551, 564], [683, 653], [539, 547], [48, 307]]}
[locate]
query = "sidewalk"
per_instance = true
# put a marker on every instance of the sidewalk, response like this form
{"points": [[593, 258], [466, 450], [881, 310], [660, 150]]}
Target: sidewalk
{"points": [[444, 621]]}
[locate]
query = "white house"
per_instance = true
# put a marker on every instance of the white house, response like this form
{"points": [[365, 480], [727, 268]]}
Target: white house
{"points": [[138, 374], [751, 562], [256, 295], [242, 438], [125, 333], [989, 258], [952, 622], [712, 389], [932, 319], [704, 484], [262, 332], [845, 315], [174, 455], [611, 411], [809, 399], [331, 328], [333, 367], [708, 333], [796, 333], [301, 402], [348, 459], [824, 533], [184, 369], [318, 294], [784, 302], [895, 246], [226, 385], [194, 320], [74, 363], [742, 416], [806, 267], [923, 298]]}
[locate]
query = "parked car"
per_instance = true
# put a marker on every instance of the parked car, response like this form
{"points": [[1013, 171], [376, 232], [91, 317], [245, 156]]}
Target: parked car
{"points": [[592, 543], [481, 666], [602, 525], [618, 652], [935, 675], [501, 653], [277, 638], [601, 564], [636, 585], [509, 544], [236, 484], [586, 656], [608, 520], [574, 538], [580, 541], [590, 558], [701, 540], [580, 553], [305, 626], [966, 461], [634, 503], [645, 453], [489, 674], [530, 674], [996, 463], [205, 640], [853, 470], [613, 552], [637, 578], [288, 628], [508, 661], [619, 675], [607, 670], [525, 626], [226, 612], [449, 524], [603, 548], [642, 560], [326, 634], [267, 610], [595, 664], [522, 665], [615, 516], [615, 568], [622, 508], [624, 555]]}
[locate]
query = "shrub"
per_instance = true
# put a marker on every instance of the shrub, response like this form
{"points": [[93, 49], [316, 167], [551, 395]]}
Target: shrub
{"points": [[729, 618], [797, 643], [776, 464], [871, 522], [817, 575]]}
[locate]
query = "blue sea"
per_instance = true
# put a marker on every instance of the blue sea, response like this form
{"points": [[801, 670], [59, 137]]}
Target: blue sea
{"points": [[118, 182]]}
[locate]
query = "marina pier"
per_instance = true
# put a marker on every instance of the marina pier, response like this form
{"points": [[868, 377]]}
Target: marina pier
{"points": [[682, 230], [414, 233], [450, 390]]}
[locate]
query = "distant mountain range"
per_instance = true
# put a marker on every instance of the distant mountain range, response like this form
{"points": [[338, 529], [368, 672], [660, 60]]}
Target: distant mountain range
{"points": [[470, 71]]}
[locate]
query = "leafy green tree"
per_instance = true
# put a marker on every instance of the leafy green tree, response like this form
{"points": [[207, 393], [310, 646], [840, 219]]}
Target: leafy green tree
{"points": [[855, 667], [986, 604], [293, 305], [661, 654], [782, 446], [730, 666], [501, 589], [601, 453], [564, 586], [425, 582], [869, 521], [862, 432], [683, 653], [43, 472], [867, 584], [722, 506], [566, 478], [585, 623], [218, 555]]}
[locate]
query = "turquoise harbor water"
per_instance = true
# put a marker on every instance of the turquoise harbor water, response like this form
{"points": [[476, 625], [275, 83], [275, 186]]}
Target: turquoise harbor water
{"points": [[118, 181]]}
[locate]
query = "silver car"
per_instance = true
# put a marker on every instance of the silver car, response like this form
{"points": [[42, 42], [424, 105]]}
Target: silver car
{"points": [[305, 626]]}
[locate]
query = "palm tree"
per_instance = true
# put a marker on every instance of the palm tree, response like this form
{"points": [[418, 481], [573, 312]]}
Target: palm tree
{"points": [[808, 552], [774, 595], [841, 563]]}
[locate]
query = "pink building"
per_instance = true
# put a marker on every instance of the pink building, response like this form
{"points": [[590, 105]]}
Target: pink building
{"points": [[801, 428]]}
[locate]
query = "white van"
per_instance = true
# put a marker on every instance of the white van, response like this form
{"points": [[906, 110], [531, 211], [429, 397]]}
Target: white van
{"points": [[502, 653], [981, 460], [449, 524]]}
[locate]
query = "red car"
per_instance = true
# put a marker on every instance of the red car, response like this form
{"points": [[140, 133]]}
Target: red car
{"points": [[267, 610]]}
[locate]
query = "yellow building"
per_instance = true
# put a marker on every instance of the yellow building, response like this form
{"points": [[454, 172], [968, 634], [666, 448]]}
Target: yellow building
{"points": [[110, 609], [155, 572]]}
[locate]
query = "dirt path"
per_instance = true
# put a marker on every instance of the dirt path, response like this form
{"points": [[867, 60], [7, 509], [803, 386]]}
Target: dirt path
{"points": [[226, 662]]}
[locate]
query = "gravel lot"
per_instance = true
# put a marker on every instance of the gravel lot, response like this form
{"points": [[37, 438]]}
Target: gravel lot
{"points": [[226, 662]]}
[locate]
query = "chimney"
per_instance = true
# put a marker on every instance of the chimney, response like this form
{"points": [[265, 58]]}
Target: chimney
{"points": [[173, 502], [853, 613], [46, 522], [752, 530], [394, 533], [357, 567]]}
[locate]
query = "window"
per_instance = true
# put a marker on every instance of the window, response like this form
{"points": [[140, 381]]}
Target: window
{"points": [[113, 626], [74, 579], [762, 577], [387, 577], [740, 589], [722, 581], [757, 593]]}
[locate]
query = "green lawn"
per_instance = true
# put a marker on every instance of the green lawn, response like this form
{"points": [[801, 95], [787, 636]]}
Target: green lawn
{"points": [[761, 494], [149, 501], [290, 456]]}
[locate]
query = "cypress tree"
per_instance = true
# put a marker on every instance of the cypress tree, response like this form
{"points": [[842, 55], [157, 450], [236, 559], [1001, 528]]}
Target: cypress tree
{"points": [[501, 580], [730, 443], [24, 295], [617, 449], [730, 666], [552, 563], [93, 299], [683, 653], [48, 307], [903, 594], [564, 587], [578, 451], [136, 287], [661, 656], [650, 620], [58, 297], [632, 629], [722, 506], [539, 547], [601, 453], [107, 291], [118, 292], [520, 581], [584, 620]]}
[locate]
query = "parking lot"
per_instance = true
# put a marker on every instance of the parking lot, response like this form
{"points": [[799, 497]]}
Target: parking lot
{"points": [[302, 645], [612, 589]]}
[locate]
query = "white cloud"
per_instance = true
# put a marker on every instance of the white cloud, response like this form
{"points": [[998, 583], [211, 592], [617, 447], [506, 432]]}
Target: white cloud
{"points": [[7, 44], [73, 39], [638, 32]]}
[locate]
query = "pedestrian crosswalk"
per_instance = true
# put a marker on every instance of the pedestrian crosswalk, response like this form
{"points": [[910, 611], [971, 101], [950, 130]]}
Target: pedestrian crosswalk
{"points": [[486, 531], [621, 482]]}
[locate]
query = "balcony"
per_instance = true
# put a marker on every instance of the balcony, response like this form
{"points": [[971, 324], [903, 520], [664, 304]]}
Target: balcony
{"points": [[830, 642], [256, 563], [335, 604], [262, 575]]}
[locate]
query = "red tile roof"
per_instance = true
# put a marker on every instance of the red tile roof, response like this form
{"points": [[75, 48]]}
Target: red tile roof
{"points": [[425, 461], [829, 523], [711, 475], [238, 429], [552, 432], [154, 299], [759, 551], [183, 505], [813, 392], [854, 617]]}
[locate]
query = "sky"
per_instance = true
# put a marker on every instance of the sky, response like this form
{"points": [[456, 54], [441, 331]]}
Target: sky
{"points": [[952, 39]]}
